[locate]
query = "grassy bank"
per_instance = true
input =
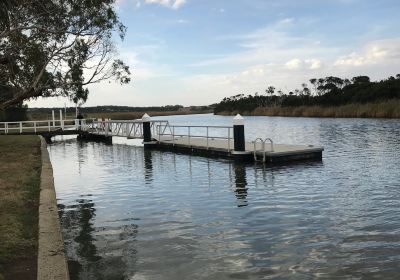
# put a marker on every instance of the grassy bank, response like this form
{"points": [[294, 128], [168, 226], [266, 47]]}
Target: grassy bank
{"points": [[19, 199], [386, 109]]}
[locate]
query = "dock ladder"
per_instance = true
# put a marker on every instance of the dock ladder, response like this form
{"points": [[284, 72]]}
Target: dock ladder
{"points": [[262, 147]]}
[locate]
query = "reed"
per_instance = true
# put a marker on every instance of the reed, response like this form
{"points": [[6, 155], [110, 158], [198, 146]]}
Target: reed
{"points": [[386, 109]]}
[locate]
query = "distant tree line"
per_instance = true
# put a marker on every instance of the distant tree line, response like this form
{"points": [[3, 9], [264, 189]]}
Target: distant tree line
{"points": [[109, 108], [329, 91]]}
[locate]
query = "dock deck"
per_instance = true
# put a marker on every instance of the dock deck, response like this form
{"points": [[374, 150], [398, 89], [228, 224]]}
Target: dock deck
{"points": [[224, 148]]}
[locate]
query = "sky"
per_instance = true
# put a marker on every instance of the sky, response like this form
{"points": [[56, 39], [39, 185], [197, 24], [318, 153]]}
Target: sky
{"points": [[196, 52]]}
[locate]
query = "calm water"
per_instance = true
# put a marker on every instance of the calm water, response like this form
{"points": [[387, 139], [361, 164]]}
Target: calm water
{"points": [[127, 213]]}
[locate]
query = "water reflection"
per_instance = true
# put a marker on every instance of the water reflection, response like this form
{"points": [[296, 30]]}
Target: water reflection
{"points": [[79, 238], [240, 184], [148, 166], [97, 252]]}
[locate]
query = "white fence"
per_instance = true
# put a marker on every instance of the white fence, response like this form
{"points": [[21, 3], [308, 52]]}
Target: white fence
{"points": [[43, 126]]}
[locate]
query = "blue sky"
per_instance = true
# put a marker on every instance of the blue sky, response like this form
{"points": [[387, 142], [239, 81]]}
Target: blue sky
{"points": [[195, 52]]}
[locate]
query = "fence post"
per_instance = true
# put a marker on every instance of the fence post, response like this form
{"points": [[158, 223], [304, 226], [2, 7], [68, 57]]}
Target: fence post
{"points": [[20, 127], [173, 136], [207, 137], [61, 120], [229, 138], [189, 135]]}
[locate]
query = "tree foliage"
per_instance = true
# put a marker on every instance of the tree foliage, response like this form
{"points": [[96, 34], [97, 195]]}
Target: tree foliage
{"points": [[328, 91], [57, 48]]}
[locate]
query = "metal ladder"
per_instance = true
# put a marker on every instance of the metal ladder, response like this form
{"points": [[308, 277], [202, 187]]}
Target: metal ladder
{"points": [[262, 147]]}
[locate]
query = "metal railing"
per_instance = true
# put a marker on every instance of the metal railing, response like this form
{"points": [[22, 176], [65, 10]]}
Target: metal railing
{"points": [[194, 131], [262, 142], [42, 126], [123, 128]]}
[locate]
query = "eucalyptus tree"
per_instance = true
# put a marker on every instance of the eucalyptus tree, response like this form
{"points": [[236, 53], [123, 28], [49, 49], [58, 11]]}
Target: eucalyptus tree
{"points": [[57, 48]]}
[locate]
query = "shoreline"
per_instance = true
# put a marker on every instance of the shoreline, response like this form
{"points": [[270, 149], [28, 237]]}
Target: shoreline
{"points": [[382, 110]]}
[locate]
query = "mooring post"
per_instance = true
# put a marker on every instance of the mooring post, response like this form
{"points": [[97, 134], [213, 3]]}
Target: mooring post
{"points": [[239, 142], [238, 134], [147, 140]]}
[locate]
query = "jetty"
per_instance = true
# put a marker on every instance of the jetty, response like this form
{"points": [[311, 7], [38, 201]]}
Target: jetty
{"points": [[213, 141]]}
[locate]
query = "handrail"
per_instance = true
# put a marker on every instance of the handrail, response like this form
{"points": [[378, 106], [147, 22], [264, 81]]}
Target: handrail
{"points": [[262, 147], [255, 148], [124, 128], [272, 143], [42, 125], [189, 134]]}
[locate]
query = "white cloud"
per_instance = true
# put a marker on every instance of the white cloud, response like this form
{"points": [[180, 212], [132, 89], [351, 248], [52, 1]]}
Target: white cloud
{"points": [[274, 44], [294, 64], [373, 53], [178, 3], [314, 63], [174, 4]]}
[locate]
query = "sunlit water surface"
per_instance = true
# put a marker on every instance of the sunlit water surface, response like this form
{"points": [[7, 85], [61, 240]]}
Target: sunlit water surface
{"points": [[127, 213]]}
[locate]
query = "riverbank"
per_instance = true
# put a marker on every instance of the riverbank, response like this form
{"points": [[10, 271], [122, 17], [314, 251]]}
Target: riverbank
{"points": [[386, 109], [19, 200]]}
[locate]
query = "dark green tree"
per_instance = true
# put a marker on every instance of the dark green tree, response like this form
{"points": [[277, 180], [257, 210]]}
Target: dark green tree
{"points": [[359, 80], [57, 48]]}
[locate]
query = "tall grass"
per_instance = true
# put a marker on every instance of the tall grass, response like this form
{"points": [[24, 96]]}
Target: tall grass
{"points": [[386, 109]]}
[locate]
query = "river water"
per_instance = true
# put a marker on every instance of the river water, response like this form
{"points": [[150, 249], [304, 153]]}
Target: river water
{"points": [[127, 213]]}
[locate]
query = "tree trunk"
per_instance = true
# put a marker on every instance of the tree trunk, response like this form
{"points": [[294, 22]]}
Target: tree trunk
{"points": [[19, 98]]}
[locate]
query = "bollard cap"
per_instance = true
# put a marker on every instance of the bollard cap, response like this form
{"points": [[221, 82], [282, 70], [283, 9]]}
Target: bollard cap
{"points": [[146, 118], [238, 120]]}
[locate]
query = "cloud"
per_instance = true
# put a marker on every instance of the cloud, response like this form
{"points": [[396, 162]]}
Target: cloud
{"points": [[296, 64], [276, 43], [314, 63], [174, 4], [373, 53], [178, 3]]}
